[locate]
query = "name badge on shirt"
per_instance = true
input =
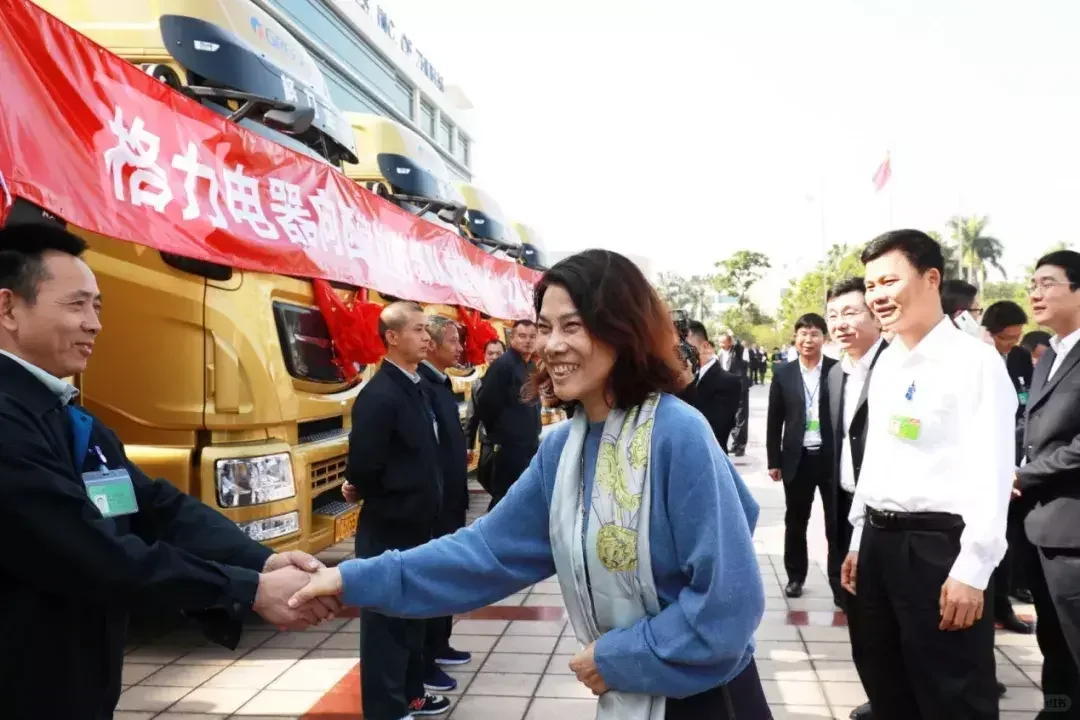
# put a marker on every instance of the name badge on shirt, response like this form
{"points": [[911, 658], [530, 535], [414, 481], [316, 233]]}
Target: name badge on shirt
{"points": [[905, 428], [813, 425], [112, 492], [1022, 397]]}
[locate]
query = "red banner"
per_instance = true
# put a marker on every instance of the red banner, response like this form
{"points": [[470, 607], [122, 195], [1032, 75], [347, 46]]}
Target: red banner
{"points": [[96, 141]]}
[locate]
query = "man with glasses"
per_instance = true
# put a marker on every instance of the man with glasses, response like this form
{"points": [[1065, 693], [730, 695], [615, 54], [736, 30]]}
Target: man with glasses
{"points": [[797, 442], [959, 297], [853, 327], [1049, 480]]}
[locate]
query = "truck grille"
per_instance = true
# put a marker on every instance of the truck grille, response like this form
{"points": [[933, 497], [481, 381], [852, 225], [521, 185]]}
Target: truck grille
{"points": [[327, 474]]}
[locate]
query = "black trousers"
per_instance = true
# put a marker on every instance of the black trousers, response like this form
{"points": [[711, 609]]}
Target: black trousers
{"points": [[812, 474], [391, 664], [509, 462], [911, 670], [1004, 578], [741, 434], [741, 699], [839, 544], [1054, 577], [436, 640], [484, 465]]}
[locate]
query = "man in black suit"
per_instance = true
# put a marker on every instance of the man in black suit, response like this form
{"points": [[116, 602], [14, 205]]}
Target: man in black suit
{"points": [[1050, 480], [717, 391], [854, 328], [512, 424], [395, 468], [444, 351], [735, 360], [798, 439], [89, 535], [1004, 322]]}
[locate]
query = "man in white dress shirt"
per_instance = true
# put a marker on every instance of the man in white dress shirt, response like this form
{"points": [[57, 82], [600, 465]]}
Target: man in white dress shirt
{"points": [[928, 517]]}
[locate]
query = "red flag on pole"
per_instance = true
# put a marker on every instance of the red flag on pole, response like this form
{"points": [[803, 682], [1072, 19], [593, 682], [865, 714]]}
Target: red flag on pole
{"points": [[884, 172]]}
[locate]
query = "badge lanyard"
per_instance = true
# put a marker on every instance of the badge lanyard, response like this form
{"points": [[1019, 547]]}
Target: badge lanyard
{"points": [[809, 397]]}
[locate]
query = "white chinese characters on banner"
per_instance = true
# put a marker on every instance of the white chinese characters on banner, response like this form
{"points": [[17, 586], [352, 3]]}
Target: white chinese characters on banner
{"points": [[137, 148], [189, 164], [291, 214], [245, 205]]}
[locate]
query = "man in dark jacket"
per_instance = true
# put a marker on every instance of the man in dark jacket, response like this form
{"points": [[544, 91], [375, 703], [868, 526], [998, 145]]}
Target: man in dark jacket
{"points": [[394, 467], [716, 391], [798, 443], [474, 431], [90, 536], [512, 424], [735, 360], [444, 352]]}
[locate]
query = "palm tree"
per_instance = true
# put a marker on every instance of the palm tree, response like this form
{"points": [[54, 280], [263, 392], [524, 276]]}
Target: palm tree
{"points": [[952, 262], [974, 249]]}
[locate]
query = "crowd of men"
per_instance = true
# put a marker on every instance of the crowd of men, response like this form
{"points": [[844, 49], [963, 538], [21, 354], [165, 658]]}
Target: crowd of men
{"points": [[945, 446]]}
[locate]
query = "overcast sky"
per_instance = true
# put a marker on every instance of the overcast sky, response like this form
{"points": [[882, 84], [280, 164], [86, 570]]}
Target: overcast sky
{"points": [[684, 130]]}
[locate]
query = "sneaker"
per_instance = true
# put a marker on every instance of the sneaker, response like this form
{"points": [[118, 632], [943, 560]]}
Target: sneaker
{"points": [[437, 679], [450, 656], [429, 705]]}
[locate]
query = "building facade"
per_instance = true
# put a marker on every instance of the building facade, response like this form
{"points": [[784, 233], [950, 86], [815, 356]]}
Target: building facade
{"points": [[372, 66]]}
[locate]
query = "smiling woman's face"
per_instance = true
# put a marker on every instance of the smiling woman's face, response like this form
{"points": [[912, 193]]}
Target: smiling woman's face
{"points": [[579, 364]]}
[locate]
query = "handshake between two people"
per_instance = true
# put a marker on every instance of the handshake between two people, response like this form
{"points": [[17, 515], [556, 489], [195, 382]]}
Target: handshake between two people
{"points": [[297, 591]]}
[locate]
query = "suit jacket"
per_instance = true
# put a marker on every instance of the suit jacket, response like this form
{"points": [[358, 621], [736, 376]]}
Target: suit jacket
{"points": [[453, 453], [394, 462], [1051, 478], [67, 594], [716, 395], [507, 419], [786, 421], [738, 365], [856, 434]]}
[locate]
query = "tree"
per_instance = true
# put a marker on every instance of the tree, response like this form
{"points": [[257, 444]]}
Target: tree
{"points": [[744, 322], [807, 294], [952, 259], [975, 250], [693, 295], [738, 274]]}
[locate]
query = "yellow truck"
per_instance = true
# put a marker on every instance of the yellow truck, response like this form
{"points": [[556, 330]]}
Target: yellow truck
{"points": [[223, 380]]}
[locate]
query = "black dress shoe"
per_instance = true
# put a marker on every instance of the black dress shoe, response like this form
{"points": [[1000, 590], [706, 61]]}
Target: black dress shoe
{"points": [[1014, 624], [1001, 689], [862, 712], [793, 589], [1023, 595]]}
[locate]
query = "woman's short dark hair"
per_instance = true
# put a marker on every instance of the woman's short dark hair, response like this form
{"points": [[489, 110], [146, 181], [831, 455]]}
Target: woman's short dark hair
{"points": [[1003, 314], [621, 309]]}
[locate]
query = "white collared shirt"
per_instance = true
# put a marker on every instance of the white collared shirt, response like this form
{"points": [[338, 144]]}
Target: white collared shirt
{"points": [[811, 392], [65, 391], [705, 367], [961, 461], [856, 373], [1061, 347], [725, 358]]}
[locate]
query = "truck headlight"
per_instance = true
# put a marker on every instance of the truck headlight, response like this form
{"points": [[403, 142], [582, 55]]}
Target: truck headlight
{"points": [[254, 480]]}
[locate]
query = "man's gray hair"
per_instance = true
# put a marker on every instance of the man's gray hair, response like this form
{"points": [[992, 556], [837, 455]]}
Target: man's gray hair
{"points": [[437, 326]]}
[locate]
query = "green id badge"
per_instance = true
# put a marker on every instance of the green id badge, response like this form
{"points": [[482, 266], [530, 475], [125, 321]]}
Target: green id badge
{"points": [[904, 428], [1023, 398], [813, 426], [112, 492]]}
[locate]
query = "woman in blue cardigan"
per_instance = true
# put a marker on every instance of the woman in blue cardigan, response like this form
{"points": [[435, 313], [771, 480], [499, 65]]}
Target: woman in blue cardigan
{"points": [[633, 506]]}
